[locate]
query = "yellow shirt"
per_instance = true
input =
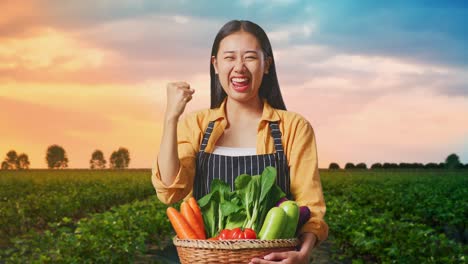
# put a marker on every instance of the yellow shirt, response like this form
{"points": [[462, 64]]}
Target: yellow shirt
{"points": [[299, 146]]}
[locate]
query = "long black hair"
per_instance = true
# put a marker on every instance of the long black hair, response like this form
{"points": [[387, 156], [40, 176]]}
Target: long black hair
{"points": [[269, 88]]}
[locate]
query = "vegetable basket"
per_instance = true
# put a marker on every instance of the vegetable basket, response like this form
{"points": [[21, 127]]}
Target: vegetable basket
{"points": [[229, 251]]}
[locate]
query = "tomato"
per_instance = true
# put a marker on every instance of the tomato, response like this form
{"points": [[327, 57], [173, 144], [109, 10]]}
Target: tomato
{"points": [[249, 233], [224, 234], [237, 233]]}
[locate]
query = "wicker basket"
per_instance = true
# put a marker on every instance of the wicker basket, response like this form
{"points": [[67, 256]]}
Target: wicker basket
{"points": [[229, 251]]}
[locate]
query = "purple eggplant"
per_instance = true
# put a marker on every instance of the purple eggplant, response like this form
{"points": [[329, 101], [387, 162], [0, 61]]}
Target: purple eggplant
{"points": [[284, 199], [304, 215]]}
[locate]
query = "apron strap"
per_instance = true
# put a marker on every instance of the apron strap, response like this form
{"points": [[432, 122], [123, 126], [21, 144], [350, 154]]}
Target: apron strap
{"points": [[206, 136], [276, 134]]}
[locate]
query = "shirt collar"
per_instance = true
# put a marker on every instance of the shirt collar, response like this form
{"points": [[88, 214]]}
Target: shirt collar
{"points": [[269, 113]]}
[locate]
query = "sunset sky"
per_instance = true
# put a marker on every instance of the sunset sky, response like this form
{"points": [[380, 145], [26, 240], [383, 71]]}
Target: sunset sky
{"points": [[379, 82]]}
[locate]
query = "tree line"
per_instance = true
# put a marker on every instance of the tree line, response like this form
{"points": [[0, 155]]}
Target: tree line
{"points": [[56, 158], [451, 162]]}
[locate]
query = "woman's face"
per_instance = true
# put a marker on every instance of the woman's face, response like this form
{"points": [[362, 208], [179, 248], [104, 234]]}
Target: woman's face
{"points": [[240, 65]]}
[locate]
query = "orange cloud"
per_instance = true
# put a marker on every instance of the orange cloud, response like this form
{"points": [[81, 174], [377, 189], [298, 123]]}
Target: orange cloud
{"points": [[15, 12], [49, 52]]}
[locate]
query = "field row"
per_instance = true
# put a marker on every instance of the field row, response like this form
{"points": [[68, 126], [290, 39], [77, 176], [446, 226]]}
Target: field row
{"points": [[405, 217], [115, 236], [29, 201]]}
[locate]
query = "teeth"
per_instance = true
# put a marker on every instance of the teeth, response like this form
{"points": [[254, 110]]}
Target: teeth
{"points": [[239, 79]]}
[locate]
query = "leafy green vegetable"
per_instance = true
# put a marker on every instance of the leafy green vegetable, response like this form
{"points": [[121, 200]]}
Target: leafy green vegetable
{"points": [[210, 212], [235, 220], [242, 181], [245, 207], [267, 181], [229, 208]]}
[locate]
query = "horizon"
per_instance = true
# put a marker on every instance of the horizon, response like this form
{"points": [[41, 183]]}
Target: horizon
{"points": [[341, 166]]}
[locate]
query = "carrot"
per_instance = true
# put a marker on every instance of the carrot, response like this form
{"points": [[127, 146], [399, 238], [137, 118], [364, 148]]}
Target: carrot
{"points": [[188, 214], [196, 210], [181, 227]]}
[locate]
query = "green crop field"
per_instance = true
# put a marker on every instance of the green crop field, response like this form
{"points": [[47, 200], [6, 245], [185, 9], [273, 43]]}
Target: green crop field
{"points": [[399, 216], [375, 216]]}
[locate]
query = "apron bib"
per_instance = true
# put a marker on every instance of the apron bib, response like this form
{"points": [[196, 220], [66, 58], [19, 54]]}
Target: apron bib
{"points": [[226, 168]]}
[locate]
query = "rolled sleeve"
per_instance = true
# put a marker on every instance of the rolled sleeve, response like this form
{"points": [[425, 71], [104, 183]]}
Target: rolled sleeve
{"points": [[317, 226], [306, 186], [181, 186]]}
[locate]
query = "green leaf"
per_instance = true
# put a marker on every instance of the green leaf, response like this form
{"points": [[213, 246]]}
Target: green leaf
{"points": [[210, 214], [254, 188], [267, 180], [235, 220], [218, 185], [202, 202], [242, 181], [229, 208]]}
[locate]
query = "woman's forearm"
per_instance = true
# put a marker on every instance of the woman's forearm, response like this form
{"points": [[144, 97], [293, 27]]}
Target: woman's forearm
{"points": [[309, 240], [178, 95], [168, 158]]}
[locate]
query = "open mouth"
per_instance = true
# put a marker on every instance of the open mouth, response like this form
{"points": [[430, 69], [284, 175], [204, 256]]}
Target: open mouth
{"points": [[240, 84]]}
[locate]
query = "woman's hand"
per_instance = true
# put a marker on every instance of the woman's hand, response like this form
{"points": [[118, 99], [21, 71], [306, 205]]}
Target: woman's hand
{"points": [[290, 257], [303, 256], [178, 95]]}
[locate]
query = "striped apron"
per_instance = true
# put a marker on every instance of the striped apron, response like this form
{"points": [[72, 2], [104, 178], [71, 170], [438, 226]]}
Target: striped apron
{"points": [[226, 168]]}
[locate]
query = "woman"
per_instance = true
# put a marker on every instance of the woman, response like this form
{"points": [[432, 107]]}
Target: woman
{"points": [[246, 129]]}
